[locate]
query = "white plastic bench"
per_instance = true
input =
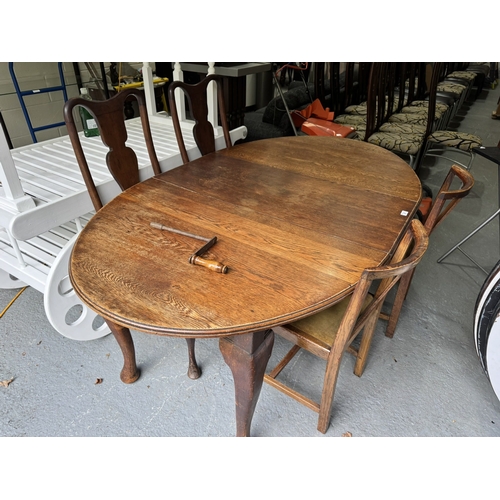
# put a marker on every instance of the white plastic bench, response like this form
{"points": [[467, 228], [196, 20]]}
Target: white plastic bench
{"points": [[44, 204]]}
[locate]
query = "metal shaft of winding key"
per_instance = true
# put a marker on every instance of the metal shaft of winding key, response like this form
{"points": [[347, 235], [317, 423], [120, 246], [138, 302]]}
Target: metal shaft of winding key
{"points": [[196, 258]]}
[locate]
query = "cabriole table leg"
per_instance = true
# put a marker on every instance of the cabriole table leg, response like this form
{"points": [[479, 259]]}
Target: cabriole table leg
{"points": [[130, 373], [247, 356]]}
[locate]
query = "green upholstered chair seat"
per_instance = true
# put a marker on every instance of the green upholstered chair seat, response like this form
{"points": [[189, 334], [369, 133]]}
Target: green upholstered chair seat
{"points": [[452, 88], [402, 143], [356, 109], [359, 127], [325, 324], [403, 128], [350, 119], [360, 132], [414, 118], [418, 105], [422, 111], [464, 75], [460, 140]]}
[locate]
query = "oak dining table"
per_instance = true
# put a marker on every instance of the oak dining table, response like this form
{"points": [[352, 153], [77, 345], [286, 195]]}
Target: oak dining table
{"points": [[296, 220]]}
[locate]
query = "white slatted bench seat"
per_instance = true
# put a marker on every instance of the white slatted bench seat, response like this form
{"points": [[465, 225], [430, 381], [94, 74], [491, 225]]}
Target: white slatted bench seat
{"points": [[37, 231]]}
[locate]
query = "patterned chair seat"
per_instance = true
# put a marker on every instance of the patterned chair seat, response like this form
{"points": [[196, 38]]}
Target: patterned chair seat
{"points": [[403, 128], [408, 144], [360, 132], [453, 88], [459, 140], [464, 75], [417, 106], [413, 118], [350, 119], [422, 111], [356, 109]]}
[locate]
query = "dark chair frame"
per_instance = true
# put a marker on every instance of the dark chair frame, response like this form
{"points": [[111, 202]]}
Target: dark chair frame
{"points": [[122, 163], [121, 160], [203, 130]]}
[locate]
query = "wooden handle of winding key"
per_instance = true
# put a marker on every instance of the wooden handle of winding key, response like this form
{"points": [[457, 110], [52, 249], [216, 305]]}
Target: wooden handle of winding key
{"points": [[213, 265]]}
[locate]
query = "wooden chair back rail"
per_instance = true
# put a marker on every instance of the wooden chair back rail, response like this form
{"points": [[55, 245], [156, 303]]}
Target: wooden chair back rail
{"points": [[358, 317], [439, 211], [391, 84], [349, 84], [421, 80], [203, 130], [121, 159], [319, 82], [401, 79], [376, 97], [389, 275], [360, 92], [339, 92], [431, 91]]}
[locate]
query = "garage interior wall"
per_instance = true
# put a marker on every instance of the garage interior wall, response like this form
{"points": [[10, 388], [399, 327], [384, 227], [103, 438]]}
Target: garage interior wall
{"points": [[43, 108]]}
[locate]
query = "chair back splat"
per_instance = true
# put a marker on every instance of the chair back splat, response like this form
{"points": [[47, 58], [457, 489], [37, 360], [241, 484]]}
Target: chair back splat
{"points": [[329, 333], [121, 159], [203, 130]]}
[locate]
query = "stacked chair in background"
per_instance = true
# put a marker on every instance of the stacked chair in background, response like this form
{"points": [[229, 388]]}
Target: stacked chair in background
{"points": [[409, 109]]}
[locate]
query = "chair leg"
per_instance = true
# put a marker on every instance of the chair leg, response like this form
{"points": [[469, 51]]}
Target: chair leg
{"points": [[404, 285], [420, 156], [329, 384], [366, 341], [194, 371]]}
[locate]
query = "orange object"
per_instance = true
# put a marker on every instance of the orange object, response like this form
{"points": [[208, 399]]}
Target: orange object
{"points": [[425, 206], [315, 126], [317, 120], [314, 110]]}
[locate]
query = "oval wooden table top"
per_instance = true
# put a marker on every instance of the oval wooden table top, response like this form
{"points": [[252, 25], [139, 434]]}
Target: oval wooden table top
{"points": [[297, 219]]}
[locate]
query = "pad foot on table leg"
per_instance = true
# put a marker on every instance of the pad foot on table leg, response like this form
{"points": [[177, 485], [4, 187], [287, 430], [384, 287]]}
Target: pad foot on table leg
{"points": [[130, 373]]}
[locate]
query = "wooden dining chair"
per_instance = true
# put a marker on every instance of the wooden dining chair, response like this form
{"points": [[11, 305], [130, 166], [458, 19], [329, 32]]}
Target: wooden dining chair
{"points": [[121, 160], [203, 130], [333, 85], [445, 201], [329, 333]]}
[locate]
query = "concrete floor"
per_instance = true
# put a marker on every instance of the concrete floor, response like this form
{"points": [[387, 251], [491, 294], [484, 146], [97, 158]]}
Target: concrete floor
{"points": [[426, 381]]}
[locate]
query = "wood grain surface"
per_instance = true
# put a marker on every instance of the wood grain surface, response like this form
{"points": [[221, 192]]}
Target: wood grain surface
{"points": [[297, 219]]}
